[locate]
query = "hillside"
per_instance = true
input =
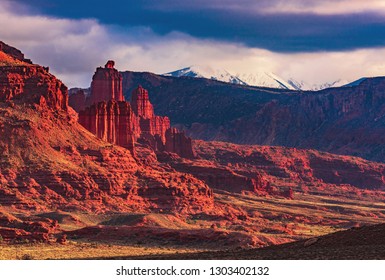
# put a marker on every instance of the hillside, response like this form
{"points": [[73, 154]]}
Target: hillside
{"points": [[49, 162], [347, 120], [357, 243]]}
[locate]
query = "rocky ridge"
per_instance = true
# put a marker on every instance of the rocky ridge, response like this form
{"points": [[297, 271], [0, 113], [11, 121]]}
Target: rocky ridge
{"points": [[346, 121]]}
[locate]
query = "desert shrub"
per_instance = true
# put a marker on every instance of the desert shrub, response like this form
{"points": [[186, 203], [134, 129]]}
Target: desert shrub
{"points": [[26, 257], [25, 241]]}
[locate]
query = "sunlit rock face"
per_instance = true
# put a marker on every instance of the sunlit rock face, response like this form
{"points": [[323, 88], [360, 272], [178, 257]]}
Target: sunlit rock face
{"points": [[117, 121], [22, 81], [106, 84], [50, 162]]}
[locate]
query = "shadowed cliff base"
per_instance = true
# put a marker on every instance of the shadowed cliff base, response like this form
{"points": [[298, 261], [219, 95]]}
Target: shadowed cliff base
{"points": [[361, 243]]}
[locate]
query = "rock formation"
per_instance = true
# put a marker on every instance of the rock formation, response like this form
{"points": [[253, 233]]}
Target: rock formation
{"points": [[112, 121], [13, 52], [48, 159], [123, 123], [177, 142], [50, 164], [141, 103], [31, 84], [273, 164], [106, 84], [152, 128]]}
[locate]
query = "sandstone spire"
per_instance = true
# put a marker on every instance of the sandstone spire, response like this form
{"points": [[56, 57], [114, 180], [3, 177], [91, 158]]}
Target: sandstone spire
{"points": [[106, 84], [140, 103], [114, 120]]}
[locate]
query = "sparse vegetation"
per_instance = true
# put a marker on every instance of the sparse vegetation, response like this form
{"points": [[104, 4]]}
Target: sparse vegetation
{"points": [[80, 251], [27, 257]]}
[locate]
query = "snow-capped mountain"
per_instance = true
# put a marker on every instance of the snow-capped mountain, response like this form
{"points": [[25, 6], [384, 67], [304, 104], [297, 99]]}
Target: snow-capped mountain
{"points": [[208, 73], [266, 79], [302, 85], [261, 79]]}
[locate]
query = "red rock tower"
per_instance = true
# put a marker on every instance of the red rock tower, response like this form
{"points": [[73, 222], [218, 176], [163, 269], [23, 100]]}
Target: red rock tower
{"points": [[111, 121], [116, 121], [177, 142], [150, 124], [106, 84], [140, 103]]}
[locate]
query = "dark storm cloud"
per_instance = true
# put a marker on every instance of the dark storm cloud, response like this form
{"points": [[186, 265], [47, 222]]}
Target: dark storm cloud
{"points": [[244, 22]]}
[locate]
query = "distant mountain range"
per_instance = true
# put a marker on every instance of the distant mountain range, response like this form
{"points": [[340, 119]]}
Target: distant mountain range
{"points": [[348, 120], [261, 79]]}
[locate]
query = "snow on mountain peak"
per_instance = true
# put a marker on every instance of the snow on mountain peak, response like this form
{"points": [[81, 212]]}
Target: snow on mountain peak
{"points": [[199, 71], [260, 79], [265, 79]]}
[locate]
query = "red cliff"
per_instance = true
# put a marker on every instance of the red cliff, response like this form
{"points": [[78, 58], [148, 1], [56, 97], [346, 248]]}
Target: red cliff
{"points": [[119, 122], [141, 103], [13, 52], [111, 121], [50, 163], [106, 84], [177, 142], [32, 84], [151, 126]]}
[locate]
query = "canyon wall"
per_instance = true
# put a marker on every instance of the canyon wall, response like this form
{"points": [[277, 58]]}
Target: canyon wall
{"points": [[112, 121], [32, 84], [13, 52]]}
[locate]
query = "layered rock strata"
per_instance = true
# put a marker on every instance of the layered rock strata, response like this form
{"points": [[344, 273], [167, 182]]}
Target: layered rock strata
{"points": [[119, 122], [32, 83], [49, 161], [106, 84], [112, 121]]}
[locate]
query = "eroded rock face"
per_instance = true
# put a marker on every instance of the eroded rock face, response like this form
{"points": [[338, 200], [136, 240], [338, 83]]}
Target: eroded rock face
{"points": [[77, 100], [13, 52], [141, 103], [123, 123], [106, 84], [13, 229], [112, 121], [177, 142], [31, 83], [299, 167], [48, 161], [151, 126]]}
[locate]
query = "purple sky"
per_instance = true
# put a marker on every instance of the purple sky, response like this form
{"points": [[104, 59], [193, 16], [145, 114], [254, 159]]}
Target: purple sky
{"points": [[315, 41]]}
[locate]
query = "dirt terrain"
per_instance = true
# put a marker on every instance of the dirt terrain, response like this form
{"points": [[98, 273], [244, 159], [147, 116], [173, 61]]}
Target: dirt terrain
{"points": [[357, 243]]}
